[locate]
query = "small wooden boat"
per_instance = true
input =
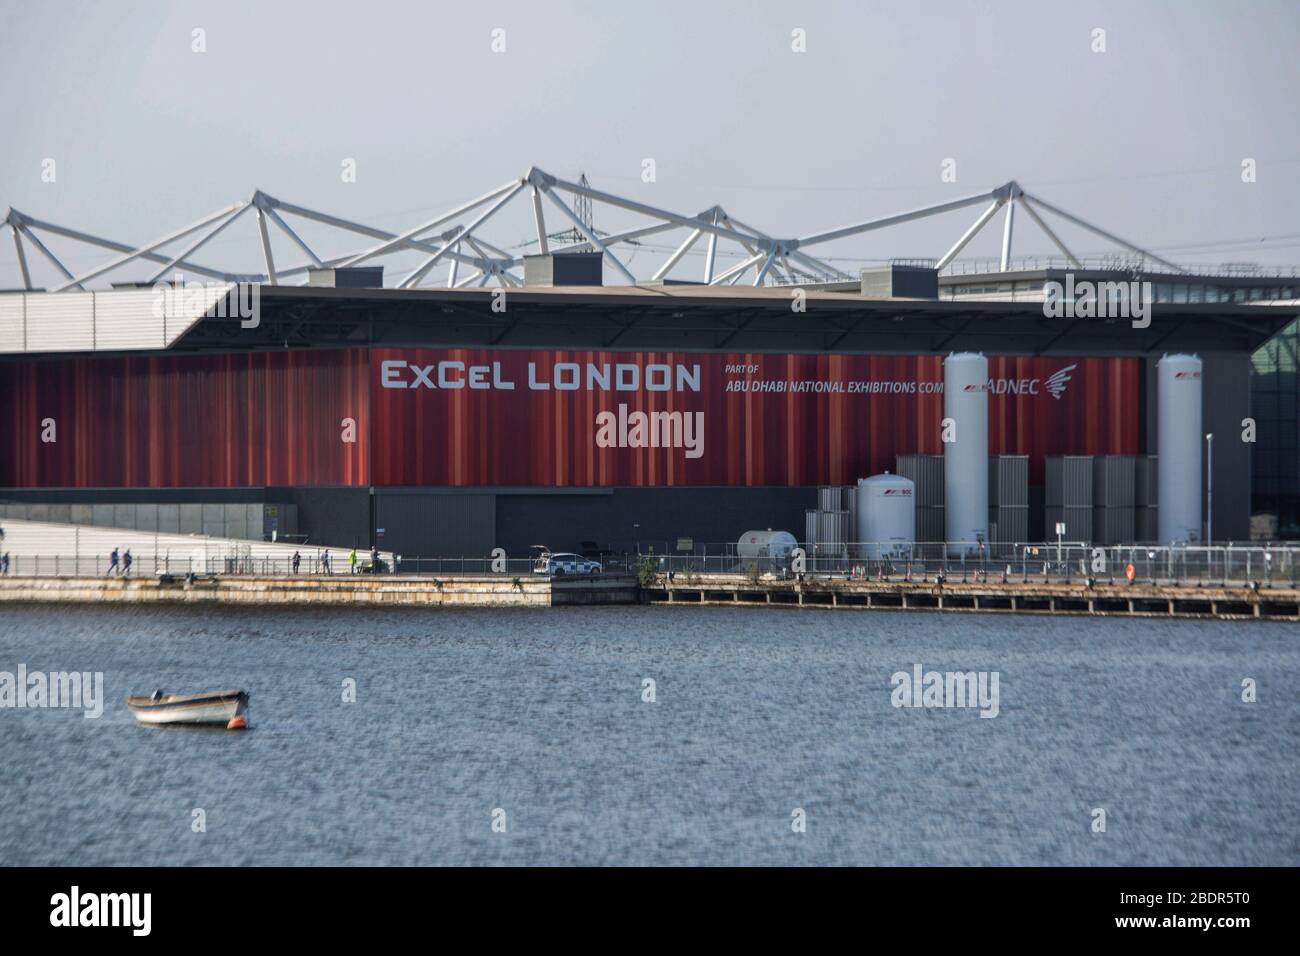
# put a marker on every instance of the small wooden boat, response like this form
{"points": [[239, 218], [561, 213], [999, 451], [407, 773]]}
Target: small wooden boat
{"points": [[218, 707]]}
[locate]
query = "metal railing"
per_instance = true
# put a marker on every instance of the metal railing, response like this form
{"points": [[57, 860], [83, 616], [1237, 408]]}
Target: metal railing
{"points": [[179, 565], [1265, 565], [1268, 565]]}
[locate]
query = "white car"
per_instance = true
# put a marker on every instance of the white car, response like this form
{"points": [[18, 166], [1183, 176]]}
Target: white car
{"points": [[565, 563]]}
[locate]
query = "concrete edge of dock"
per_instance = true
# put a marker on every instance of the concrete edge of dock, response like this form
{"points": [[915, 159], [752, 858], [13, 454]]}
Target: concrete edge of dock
{"points": [[1214, 602]]}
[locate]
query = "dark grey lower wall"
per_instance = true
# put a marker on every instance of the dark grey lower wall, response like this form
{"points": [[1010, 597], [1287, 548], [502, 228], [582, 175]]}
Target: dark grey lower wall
{"points": [[451, 522]]}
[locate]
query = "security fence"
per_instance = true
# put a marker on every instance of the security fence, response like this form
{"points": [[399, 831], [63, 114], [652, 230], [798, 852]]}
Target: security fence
{"points": [[1276, 565], [1265, 565]]}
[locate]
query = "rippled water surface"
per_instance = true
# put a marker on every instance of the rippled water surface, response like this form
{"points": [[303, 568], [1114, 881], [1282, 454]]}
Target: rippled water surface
{"points": [[758, 712]]}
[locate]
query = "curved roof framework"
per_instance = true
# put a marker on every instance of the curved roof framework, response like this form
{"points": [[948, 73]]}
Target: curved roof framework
{"points": [[457, 238]]}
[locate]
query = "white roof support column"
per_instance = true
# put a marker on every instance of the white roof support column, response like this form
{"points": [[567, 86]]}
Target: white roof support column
{"points": [[455, 267], [590, 236], [541, 222], [54, 260], [711, 253], [1104, 234], [461, 233], [767, 266], [275, 218], [676, 257], [735, 272], [970, 234], [1006, 235], [1033, 214], [267, 256], [151, 247], [196, 245], [22, 257]]}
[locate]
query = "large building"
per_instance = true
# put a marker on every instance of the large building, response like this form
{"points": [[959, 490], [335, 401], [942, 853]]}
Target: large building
{"points": [[452, 421]]}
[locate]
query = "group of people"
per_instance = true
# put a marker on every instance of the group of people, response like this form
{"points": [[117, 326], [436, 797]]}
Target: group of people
{"points": [[327, 568], [124, 567]]}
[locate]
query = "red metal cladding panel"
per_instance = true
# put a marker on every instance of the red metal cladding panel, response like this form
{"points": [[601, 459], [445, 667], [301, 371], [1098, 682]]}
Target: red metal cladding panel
{"points": [[488, 417], [164, 421]]}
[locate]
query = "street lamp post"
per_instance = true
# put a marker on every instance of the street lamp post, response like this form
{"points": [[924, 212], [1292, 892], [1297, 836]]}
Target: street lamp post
{"points": [[1209, 488]]}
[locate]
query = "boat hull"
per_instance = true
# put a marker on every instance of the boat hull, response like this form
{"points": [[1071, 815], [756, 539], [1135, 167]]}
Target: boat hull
{"points": [[197, 709]]}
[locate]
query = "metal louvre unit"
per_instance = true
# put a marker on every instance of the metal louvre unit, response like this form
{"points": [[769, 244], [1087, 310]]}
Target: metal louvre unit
{"points": [[812, 527], [1069, 481], [926, 472], [1114, 481], [1113, 525], [1145, 484], [830, 498], [1077, 519], [1009, 481], [1146, 523], [1009, 525], [929, 524]]}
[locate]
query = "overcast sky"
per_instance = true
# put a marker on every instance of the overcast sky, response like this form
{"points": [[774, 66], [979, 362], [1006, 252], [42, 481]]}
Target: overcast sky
{"points": [[1146, 138]]}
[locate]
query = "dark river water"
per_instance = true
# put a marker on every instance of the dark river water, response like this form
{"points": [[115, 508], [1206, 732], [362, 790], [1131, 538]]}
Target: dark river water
{"points": [[536, 719]]}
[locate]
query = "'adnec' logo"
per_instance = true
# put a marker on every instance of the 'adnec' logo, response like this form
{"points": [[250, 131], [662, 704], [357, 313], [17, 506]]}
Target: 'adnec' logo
{"points": [[1054, 383], [1057, 381]]}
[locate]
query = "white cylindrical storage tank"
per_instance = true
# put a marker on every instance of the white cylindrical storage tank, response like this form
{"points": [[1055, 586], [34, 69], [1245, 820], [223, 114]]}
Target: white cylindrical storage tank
{"points": [[886, 516], [1178, 441], [966, 451]]}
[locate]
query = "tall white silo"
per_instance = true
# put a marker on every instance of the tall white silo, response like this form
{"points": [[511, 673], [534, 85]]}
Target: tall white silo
{"points": [[1178, 443], [886, 516], [966, 455]]}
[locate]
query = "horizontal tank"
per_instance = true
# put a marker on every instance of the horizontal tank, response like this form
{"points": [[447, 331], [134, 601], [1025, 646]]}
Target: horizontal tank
{"points": [[776, 545], [886, 516]]}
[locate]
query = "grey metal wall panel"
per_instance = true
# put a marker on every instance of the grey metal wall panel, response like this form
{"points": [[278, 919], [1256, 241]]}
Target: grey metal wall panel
{"points": [[146, 517], [1113, 525], [191, 516], [235, 521], [214, 519], [102, 516], [82, 513], [1114, 481], [123, 516], [437, 525], [169, 518], [60, 513]]}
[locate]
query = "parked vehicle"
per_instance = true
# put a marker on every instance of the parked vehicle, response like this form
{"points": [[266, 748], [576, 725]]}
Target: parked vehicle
{"points": [[566, 563]]}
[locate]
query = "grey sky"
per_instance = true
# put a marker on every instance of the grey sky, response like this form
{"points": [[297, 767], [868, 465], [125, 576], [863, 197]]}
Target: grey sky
{"points": [[1147, 138]]}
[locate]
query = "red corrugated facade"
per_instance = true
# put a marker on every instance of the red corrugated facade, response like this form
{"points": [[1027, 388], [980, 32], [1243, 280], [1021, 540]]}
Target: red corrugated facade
{"points": [[443, 417], [167, 421]]}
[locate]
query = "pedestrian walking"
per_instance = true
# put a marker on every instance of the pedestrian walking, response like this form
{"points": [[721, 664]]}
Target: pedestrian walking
{"points": [[126, 563], [352, 561], [297, 559], [325, 562], [112, 563]]}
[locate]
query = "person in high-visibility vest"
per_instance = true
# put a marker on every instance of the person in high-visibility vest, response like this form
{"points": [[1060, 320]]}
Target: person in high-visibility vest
{"points": [[352, 561]]}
